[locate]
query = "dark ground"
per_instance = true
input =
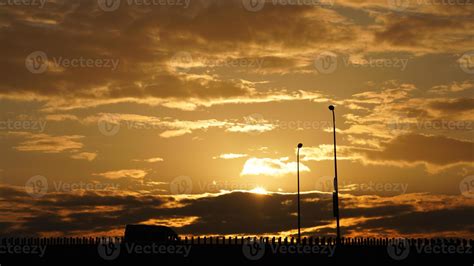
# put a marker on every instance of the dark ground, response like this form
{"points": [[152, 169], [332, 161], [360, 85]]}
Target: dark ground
{"points": [[242, 251]]}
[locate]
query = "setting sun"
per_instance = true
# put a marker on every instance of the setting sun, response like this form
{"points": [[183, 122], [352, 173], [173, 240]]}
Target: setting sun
{"points": [[259, 190], [190, 117]]}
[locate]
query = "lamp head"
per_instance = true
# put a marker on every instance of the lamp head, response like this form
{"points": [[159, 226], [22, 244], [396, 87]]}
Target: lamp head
{"points": [[300, 145], [331, 107]]}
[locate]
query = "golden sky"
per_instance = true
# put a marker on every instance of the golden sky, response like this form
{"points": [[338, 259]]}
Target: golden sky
{"points": [[188, 113]]}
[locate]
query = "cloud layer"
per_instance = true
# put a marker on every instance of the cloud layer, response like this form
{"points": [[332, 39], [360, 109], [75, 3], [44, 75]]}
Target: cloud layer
{"points": [[236, 213]]}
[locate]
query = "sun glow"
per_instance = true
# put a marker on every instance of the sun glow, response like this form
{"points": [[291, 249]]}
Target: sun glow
{"points": [[259, 190]]}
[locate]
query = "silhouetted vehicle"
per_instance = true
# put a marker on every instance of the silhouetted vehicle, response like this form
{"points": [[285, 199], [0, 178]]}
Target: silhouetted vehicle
{"points": [[149, 233]]}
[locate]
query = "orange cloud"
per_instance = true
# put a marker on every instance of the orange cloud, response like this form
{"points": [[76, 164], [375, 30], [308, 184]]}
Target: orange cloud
{"points": [[131, 173], [271, 167]]}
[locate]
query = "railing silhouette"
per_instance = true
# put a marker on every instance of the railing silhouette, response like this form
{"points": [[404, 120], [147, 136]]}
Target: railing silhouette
{"points": [[222, 240]]}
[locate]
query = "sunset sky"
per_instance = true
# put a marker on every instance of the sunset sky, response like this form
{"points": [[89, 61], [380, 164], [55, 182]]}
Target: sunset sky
{"points": [[188, 113]]}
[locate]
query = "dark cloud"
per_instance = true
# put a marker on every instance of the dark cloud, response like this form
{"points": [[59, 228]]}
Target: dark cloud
{"points": [[229, 213], [454, 106], [428, 32], [438, 150], [145, 42], [426, 222]]}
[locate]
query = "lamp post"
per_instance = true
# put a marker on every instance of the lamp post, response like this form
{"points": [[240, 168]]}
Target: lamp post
{"points": [[298, 177], [336, 189]]}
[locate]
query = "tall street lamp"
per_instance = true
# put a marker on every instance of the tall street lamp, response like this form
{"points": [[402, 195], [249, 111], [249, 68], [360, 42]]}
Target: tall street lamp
{"points": [[336, 189], [298, 177]]}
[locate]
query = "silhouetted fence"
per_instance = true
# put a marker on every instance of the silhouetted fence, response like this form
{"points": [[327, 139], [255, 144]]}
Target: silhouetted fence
{"points": [[78, 241]]}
